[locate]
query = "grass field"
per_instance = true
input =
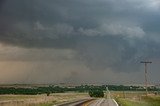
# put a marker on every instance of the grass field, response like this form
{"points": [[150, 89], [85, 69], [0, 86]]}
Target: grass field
{"points": [[129, 102], [39, 100], [123, 98], [136, 99]]}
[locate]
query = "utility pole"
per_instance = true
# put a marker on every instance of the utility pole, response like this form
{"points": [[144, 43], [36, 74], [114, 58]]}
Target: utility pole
{"points": [[145, 69]]}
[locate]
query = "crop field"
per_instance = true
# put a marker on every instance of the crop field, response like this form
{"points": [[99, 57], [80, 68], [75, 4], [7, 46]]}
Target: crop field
{"points": [[39, 100]]}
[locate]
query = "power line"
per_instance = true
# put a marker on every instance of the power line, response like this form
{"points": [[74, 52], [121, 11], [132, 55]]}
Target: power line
{"points": [[145, 69]]}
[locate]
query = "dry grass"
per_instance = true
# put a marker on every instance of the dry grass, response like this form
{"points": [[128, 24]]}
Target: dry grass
{"points": [[127, 94], [39, 100]]}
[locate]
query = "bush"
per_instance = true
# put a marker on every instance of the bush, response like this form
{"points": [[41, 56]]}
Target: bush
{"points": [[96, 93]]}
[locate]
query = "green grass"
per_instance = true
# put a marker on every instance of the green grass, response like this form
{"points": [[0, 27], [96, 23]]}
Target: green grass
{"points": [[128, 102], [153, 100], [145, 101]]}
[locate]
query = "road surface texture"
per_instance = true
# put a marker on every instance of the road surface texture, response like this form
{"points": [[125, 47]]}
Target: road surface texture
{"points": [[103, 102], [77, 103], [94, 102]]}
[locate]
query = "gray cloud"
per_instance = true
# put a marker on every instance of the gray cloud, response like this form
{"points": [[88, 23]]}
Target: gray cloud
{"points": [[99, 35], [115, 30]]}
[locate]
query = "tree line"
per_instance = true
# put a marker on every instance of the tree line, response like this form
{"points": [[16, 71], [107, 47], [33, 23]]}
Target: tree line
{"points": [[61, 89]]}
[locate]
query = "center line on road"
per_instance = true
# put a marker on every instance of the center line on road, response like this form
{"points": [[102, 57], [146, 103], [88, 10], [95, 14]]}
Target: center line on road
{"points": [[100, 102]]}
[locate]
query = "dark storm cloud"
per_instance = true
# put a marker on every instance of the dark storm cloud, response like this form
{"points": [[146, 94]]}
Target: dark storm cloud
{"points": [[1, 3], [104, 33], [19, 18], [115, 53]]}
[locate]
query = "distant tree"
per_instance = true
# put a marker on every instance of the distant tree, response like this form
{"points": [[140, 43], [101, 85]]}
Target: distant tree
{"points": [[96, 93], [48, 93]]}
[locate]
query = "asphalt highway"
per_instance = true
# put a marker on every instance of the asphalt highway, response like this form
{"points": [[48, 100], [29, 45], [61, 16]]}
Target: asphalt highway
{"points": [[77, 103], [93, 102], [103, 102], [108, 101]]}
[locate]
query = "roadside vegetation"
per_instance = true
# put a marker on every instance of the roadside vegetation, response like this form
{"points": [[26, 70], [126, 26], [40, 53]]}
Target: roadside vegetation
{"points": [[144, 101], [96, 93], [129, 102], [53, 94], [33, 90], [40, 100]]}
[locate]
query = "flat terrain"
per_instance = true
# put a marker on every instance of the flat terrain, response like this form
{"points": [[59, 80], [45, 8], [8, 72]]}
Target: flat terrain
{"points": [[78, 99], [93, 102], [138, 99], [103, 102], [40, 100], [145, 101]]}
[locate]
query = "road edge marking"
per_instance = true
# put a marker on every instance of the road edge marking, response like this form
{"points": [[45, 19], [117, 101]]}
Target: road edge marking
{"points": [[115, 102]]}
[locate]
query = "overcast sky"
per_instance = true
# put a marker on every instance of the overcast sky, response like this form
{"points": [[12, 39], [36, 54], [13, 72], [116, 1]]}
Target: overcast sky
{"points": [[79, 41]]}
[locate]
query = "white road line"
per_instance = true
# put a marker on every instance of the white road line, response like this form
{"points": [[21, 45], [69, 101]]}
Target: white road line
{"points": [[115, 102], [100, 102]]}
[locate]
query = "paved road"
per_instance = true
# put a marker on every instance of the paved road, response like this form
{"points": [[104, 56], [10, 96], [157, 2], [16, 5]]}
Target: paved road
{"points": [[76, 103], [104, 102], [91, 102]]}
